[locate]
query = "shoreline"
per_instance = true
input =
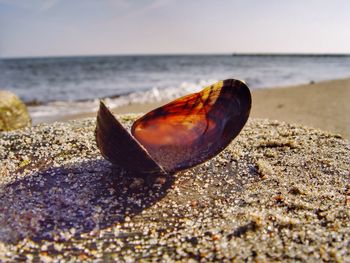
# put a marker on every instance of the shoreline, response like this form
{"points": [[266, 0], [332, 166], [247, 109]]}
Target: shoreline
{"points": [[323, 105]]}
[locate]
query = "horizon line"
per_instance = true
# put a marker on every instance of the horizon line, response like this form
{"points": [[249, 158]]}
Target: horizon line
{"points": [[300, 54]]}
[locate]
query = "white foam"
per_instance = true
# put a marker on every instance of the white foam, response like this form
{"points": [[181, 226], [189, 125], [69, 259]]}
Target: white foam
{"points": [[42, 113]]}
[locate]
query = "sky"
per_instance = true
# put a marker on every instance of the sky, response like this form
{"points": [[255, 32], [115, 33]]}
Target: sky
{"points": [[103, 27]]}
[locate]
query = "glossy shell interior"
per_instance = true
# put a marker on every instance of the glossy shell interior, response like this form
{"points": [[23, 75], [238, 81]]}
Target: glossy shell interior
{"points": [[178, 135], [194, 128]]}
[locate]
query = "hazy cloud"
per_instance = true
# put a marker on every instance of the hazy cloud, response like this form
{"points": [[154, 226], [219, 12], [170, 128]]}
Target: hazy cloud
{"points": [[47, 4], [34, 4], [70, 27]]}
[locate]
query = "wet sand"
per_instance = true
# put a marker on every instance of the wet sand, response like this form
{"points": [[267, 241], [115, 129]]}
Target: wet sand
{"points": [[322, 105]]}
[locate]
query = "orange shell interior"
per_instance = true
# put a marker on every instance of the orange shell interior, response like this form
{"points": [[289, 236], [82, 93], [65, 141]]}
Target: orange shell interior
{"points": [[193, 128]]}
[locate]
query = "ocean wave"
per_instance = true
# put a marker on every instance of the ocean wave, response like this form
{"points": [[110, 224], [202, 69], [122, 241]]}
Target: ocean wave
{"points": [[42, 112]]}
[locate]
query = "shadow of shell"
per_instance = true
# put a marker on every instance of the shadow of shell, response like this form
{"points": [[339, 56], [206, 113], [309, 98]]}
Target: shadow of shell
{"points": [[64, 202]]}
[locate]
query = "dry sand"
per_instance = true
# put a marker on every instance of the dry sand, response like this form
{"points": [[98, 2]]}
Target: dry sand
{"points": [[324, 105], [278, 192]]}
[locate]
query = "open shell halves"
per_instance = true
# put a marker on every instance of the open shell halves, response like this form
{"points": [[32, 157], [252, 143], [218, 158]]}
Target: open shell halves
{"points": [[178, 135]]}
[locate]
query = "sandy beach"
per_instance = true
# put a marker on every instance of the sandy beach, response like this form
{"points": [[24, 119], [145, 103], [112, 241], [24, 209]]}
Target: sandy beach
{"points": [[174, 131], [278, 192], [323, 105]]}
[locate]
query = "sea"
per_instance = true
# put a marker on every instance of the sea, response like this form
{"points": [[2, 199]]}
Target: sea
{"points": [[55, 86]]}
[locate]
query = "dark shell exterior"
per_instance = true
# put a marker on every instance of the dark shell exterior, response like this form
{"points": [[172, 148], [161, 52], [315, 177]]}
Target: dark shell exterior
{"points": [[120, 148], [178, 135]]}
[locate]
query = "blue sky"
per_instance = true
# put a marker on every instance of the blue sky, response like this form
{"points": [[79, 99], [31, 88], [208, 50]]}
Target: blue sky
{"points": [[93, 27]]}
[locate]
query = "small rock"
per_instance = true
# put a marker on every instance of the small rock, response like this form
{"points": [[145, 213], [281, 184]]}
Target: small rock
{"points": [[264, 168], [13, 113]]}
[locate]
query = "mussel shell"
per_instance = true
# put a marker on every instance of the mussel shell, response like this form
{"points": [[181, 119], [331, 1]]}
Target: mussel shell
{"points": [[120, 148], [178, 135], [194, 128]]}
